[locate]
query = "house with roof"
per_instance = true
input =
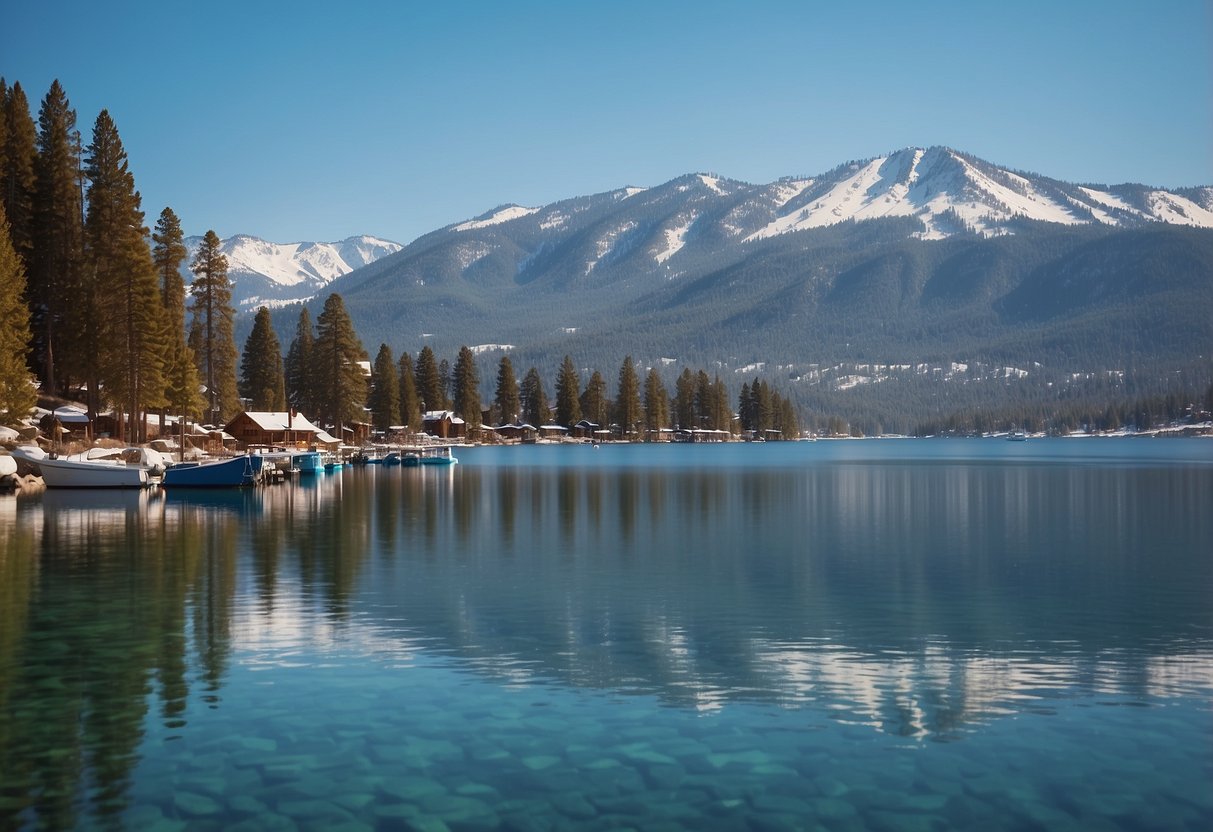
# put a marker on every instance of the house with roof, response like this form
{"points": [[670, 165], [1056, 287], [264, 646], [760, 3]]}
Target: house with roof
{"points": [[444, 424], [277, 429]]}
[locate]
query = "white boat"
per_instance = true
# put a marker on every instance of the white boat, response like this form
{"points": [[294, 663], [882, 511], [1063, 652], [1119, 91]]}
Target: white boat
{"points": [[1017, 436], [90, 473], [148, 458]]}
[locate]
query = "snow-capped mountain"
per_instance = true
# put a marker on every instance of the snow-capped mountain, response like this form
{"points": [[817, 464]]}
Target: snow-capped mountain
{"points": [[950, 191], [274, 274]]}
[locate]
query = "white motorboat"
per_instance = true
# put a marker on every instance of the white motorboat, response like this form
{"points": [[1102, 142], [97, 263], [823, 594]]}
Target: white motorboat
{"points": [[90, 473]]}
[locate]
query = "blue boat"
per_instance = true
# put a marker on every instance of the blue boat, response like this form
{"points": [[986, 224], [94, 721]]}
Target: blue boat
{"points": [[307, 462], [438, 456], [224, 473]]}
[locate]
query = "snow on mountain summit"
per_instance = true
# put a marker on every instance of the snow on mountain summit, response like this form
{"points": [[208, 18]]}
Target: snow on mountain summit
{"points": [[946, 189], [266, 273]]}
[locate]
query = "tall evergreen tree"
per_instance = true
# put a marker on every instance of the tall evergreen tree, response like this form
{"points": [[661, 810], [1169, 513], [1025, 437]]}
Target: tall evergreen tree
{"points": [[215, 354], [447, 382], [595, 404], [568, 393], [506, 399], [261, 371], [17, 393], [340, 384], [125, 286], [297, 369], [534, 399], [384, 399], [627, 400], [58, 308], [410, 402], [684, 400], [721, 415], [18, 180], [168, 253], [656, 403], [429, 381], [467, 388]]}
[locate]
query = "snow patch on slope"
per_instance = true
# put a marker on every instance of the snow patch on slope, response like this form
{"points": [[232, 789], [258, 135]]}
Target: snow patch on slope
{"points": [[503, 214], [675, 238], [299, 269]]}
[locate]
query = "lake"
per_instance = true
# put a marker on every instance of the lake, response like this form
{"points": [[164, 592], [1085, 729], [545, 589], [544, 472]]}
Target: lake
{"points": [[875, 634]]}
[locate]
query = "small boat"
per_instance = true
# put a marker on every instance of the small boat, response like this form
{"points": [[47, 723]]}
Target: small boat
{"points": [[391, 458], [90, 473], [224, 473], [410, 460], [307, 462], [1017, 436], [438, 456]]}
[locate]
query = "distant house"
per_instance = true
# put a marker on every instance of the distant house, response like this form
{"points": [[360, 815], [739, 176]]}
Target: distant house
{"points": [[444, 424], [278, 429], [553, 431], [518, 430], [585, 429]]}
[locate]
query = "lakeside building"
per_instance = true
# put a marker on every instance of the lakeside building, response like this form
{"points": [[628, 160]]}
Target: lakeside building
{"points": [[277, 428]]}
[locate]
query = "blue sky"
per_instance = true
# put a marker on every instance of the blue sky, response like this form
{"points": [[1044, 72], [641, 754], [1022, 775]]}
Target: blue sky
{"points": [[305, 121]]}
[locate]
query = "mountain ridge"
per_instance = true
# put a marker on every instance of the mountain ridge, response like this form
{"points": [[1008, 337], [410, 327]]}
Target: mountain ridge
{"points": [[861, 290], [264, 273]]}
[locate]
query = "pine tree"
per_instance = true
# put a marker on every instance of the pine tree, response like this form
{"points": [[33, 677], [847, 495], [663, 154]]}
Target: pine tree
{"points": [[168, 253], [215, 354], [446, 382], [429, 381], [568, 391], [17, 392], [595, 405], [410, 402], [627, 401], [130, 337], [297, 368], [722, 414], [18, 181], [467, 388], [656, 402], [384, 399], [684, 400], [534, 399], [59, 309], [506, 400], [340, 384], [261, 371]]}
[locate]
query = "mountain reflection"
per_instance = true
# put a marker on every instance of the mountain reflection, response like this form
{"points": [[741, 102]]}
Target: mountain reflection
{"points": [[917, 599]]}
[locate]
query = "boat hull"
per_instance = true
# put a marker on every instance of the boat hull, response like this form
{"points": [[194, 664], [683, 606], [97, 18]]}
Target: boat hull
{"points": [[67, 473], [229, 473], [307, 462]]}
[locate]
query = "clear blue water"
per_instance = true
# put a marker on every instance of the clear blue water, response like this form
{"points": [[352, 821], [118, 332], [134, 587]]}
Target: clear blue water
{"points": [[911, 634]]}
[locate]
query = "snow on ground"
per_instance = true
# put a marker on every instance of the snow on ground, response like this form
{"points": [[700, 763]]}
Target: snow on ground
{"points": [[787, 190], [675, 239], [1108, 201], [756, 367], [466, 255], [482, 348], [1176, 209], [712, 182], [509, 212]]}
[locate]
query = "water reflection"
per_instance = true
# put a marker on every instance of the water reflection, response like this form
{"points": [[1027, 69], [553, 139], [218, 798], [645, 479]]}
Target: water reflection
{"points": [[916, 599]]}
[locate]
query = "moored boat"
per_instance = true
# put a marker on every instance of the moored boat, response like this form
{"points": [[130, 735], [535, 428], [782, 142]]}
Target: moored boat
{"points": [[307, 462], [90, 473], [438, 456], [224, 473]]}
